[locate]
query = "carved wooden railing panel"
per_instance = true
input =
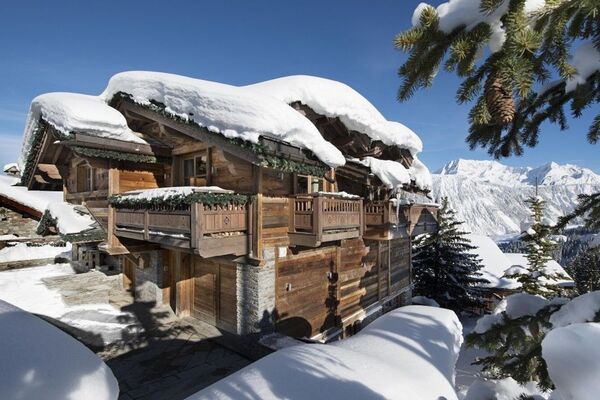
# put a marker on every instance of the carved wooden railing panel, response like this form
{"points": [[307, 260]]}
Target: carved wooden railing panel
{"points": [[209, 229], [323, 216]]}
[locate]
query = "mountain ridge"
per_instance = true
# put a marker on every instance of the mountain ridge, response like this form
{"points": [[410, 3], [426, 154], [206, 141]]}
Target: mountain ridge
{"points": [[490, 196]]}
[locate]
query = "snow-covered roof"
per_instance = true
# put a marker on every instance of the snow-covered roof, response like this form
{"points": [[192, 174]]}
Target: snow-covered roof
{"points": [[10, 167], [409, 353], [35, 199], [394, 175], [229, 110], [494, 262], [335, 99], [71, 219], [39, 361], [74, 112], [552, 266]]}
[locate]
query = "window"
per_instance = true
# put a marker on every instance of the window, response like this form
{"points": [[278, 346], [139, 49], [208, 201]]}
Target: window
{"points": [[309, 184], [195, 170], [84, 178]]}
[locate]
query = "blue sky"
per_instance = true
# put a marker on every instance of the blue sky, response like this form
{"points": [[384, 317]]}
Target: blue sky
{"points": [[76, 46]]}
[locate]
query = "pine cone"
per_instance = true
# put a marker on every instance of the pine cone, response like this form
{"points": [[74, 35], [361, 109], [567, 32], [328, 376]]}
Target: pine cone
{"points": [[499, 101]]}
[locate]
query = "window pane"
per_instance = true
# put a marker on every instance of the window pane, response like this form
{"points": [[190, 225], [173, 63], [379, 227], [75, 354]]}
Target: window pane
{"points": [[201, 166], [188, 170]]}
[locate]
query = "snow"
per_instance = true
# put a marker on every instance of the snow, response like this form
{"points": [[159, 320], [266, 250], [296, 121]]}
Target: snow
{"points": [[68, 219], [581, 309], [39, 361], [586, 59], [10, 166], [408, 353], [494, 262], [231, 111], [394, 175], [502, 389], [35, 199], [516, 306], [424, 301], [166, 193], [573, 358], [343, 195], [73, 112], [338, 100], [25, 289], [21, 252], [520, 261], [455, 13], [490, 196]]}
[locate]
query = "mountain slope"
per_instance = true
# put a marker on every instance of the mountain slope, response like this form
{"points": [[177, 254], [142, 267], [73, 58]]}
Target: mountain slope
{"points": [[489, 196]]}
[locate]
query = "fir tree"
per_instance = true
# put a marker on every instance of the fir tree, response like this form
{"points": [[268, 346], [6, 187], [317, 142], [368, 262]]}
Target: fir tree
{"points": [[511, 88], [585, 270], [444, 268], [537, 279]]}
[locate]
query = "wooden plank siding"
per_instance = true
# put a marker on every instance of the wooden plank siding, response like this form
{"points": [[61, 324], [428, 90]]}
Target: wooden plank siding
{"points": [[331, 287]]}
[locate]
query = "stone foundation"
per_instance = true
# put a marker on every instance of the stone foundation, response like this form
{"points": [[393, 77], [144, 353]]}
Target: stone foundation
{"points": [[148, 278], [256, 296], [15, 223]]}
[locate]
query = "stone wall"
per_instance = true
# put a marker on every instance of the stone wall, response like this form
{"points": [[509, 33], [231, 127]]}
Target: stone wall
{"points": [[256, 296], [15, 223], [148, 277]]}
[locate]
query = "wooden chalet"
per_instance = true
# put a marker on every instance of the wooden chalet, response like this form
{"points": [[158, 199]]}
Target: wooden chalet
{"points": [[247, 238]]}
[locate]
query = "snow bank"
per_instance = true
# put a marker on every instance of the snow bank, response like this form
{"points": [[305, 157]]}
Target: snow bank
{"points": [[408, 353], [338, 100], [455, 13], [39, 361], [69, 220], [494, 262], [581, 309], [22, 252], [36, 199], [573, 358], [73, 112], [502, 389], [231, 111], [586, 59]]}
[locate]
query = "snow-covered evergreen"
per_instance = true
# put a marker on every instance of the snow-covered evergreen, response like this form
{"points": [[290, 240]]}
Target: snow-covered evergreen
{"points": [[445, 269]]}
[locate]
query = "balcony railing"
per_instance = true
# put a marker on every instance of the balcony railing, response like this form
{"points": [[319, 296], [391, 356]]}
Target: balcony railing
{"points": [[383, 218], [322, 217], [210, 230]]}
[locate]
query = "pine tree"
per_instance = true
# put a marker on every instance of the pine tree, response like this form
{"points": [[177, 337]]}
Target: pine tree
{"points": [[536, 279], [585, 270], [510, 88], [444, 267]]}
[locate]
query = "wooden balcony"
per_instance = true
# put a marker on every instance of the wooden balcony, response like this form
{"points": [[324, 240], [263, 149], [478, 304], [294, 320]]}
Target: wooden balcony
{"points": [[209, 230], [320, 217], [383, 219]]}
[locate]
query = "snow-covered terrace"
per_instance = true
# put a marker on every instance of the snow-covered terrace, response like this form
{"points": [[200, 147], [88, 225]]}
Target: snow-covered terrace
{"points": [[33, 199], [245, 113]]}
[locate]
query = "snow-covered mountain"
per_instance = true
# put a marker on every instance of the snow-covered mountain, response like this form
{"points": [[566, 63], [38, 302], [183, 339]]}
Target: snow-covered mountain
{"points": [[489, 196]]}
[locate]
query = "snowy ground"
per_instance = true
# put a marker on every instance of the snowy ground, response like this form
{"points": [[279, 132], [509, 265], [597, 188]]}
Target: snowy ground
{"points": [[25, 288], [22, 252], [466, 373]]}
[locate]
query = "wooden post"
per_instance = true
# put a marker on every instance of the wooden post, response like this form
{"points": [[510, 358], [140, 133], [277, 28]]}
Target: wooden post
{"points": [[250, 227], [362, 218], [292, 214], [146, 225], [317, 214], [258, 224]]}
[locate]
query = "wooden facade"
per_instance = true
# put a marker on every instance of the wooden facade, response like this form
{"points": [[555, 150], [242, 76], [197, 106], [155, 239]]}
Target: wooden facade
{"points": [[336, 258]]}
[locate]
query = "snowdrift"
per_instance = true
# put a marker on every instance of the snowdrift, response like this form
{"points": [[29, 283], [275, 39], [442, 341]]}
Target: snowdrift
{"points": [[39, 361], [408, 353]]}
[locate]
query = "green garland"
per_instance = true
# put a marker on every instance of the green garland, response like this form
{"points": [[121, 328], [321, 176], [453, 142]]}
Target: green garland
{"points": [[36, 143], [45, 223], [115, 155], [59, 243], [178, 200], [267, 159], [94, 235]]}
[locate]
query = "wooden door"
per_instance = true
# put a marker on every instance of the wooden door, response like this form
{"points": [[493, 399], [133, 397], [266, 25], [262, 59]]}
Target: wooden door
{"points": [[205, 292], [128, 274]]}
